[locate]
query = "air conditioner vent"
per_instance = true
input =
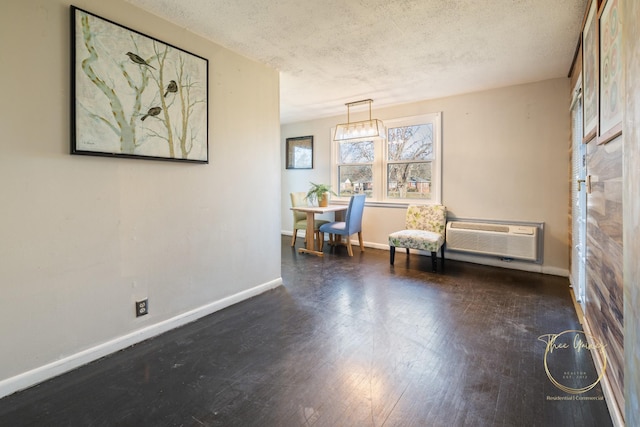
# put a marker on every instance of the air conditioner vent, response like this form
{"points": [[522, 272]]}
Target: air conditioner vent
{"points": [[480, 226], [503, 240]]}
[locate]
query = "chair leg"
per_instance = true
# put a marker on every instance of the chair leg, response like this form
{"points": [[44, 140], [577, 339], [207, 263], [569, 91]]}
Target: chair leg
{"points": [[392, 254], [434, 261], [442, 263], [293, 239], [320, 241], [360, 240], [349, 249], [407, 251]]}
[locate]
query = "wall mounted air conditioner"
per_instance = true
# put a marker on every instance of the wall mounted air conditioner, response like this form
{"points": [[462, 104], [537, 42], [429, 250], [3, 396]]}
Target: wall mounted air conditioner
{"points": [[503, 240]]}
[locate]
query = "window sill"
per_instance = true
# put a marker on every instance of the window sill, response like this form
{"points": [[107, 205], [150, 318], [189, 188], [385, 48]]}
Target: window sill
{"points": [[391, 205]]}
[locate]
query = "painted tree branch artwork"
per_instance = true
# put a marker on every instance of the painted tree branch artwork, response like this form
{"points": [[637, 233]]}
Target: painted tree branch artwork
{"points": [[135, 96]]}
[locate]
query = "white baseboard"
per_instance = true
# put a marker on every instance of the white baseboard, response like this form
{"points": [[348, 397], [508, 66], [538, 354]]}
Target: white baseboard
{"points": [[555, 271], [384, 247], [53, 369], [475, 259], [495, 262], [513, 264]]}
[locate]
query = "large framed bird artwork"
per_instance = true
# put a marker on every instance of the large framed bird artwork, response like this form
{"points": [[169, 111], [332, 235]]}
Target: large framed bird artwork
{"points": [[135, 96]]}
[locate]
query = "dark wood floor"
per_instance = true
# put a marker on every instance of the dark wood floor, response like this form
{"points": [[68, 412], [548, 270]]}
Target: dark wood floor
{"points": [[345, 342]]}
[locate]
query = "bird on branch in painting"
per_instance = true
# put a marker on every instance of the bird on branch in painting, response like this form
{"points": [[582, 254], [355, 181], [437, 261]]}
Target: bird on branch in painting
{"points": [[172, 87], [153, 111], [135, 58]]}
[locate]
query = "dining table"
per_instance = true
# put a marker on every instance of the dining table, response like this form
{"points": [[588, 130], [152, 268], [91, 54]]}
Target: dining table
{"points": [[312, 247]]}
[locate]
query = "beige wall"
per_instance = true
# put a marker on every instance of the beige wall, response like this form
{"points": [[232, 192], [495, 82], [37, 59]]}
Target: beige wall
{"points": [[82, 238], [505, 158]]}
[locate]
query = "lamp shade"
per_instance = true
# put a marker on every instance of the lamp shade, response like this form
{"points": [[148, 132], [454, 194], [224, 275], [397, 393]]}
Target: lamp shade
{"points": [[362, 130]]}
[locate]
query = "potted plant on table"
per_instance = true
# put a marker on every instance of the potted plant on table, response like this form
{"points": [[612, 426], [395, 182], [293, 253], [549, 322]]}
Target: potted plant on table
{"points": [[319, 192]]}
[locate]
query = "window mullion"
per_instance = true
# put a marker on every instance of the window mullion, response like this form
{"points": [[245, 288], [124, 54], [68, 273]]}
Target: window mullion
{"points": [[379, 170]]}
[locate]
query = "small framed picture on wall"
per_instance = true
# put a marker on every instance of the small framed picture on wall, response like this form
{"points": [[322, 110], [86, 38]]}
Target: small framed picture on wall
{"points": [[299, 153]]}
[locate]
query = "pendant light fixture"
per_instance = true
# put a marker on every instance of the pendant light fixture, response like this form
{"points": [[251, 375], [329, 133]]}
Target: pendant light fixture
{"points": [[362, 130]]}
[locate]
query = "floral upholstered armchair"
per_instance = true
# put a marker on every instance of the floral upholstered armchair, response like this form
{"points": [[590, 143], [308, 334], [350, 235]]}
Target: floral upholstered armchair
{"points": [[425, 228]]}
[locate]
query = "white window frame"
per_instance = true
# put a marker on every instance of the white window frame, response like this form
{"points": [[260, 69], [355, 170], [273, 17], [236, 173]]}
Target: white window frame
{"points": [[380, 163]]}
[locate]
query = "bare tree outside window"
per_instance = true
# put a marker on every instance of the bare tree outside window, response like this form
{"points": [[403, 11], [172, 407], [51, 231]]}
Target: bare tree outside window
{"points": [[410, 152]]}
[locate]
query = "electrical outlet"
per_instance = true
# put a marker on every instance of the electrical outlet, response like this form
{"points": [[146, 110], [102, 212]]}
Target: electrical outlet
{"points": [[142, 307]]}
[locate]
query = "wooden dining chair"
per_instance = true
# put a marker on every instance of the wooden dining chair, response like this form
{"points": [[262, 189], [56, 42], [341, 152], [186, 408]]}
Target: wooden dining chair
{"points": [[300, 219]]}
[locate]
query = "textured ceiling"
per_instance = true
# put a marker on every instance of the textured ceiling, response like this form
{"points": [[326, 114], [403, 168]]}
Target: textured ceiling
{"points": [[330, 52]]}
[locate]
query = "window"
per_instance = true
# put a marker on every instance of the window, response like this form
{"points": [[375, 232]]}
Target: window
{"points": [[355, 167], [403, 168]]}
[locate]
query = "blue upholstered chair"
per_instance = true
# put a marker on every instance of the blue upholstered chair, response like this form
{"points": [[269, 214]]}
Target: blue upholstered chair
{"points": [[351, 225], [300, 218], [425, 228]]}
